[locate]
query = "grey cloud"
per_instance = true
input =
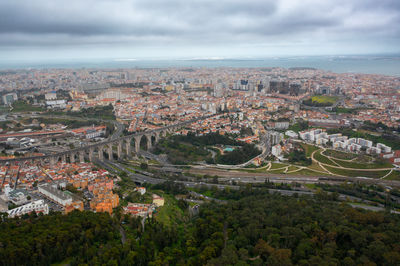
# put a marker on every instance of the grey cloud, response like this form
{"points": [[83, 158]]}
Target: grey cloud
{"points": [[196, 22]]}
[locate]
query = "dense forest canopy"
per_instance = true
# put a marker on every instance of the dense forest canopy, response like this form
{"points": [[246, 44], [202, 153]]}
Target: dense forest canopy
{"points": [[251, 228], [184, 149]]}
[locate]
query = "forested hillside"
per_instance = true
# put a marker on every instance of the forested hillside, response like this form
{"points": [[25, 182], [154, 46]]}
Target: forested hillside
{"points": [[252, 228]]}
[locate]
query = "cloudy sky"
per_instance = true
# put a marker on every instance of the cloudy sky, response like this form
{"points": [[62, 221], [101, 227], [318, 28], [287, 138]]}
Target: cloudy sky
{"points": [[143, 29]]}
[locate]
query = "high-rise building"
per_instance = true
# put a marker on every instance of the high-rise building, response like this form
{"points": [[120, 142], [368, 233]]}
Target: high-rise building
{"points": [[279, 86], [9, 98], [294, 89]]}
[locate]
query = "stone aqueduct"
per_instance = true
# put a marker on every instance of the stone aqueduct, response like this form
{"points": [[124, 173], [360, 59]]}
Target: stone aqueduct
{"points": [[123, 146]]}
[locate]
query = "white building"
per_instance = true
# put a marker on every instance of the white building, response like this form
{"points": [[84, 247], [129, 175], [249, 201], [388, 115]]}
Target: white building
{"points": [[141, 190], [16, 196], [50, 96], [321, 141], [322, 135], [373, 150], [364, 142], [333, 136], [343, 142], [279, 125], [384, 148], [291, 134], [9, 98], [276, 150], [56, 195], [56, 104], [112, 94], [354, 147], [275, 137], [95, 132], [37, 206]]}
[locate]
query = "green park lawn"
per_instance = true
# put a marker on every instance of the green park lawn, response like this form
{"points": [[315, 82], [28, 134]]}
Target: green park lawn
{"points": [[323, 159], [324, 99], [310, 172], [340, 154], [276, 171], [277, 165], [309, 149], [355, 173], [394, 175], [20, 106], [356, 165], [169, 214], [292, 168]]}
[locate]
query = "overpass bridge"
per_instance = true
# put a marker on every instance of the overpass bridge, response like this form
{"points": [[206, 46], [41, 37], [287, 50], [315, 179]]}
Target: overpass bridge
{"points": [[123, 146]]}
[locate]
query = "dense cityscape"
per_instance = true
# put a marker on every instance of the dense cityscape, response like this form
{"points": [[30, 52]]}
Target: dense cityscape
{"points": [[199, 132], [94, 140]]}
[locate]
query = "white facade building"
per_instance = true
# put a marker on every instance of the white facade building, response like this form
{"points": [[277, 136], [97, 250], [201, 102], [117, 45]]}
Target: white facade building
{"points": [[56, 104], [291, 134], [50, 96], [56, 195], [384, 148], [276, 150], [36, 206]]}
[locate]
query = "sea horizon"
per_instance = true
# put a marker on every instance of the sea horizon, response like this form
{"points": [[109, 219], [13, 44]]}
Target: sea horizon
{"points": [[368, 64]]}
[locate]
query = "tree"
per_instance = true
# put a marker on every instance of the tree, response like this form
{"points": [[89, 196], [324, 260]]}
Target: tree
{"points": [[263, 249], [144, 166], [280, 257]]}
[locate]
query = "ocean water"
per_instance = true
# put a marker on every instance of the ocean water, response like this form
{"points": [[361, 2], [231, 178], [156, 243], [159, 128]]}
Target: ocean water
{"points": [[385, 65]]}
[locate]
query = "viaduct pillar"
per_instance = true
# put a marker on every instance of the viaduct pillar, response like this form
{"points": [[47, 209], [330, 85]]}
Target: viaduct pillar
{"points": [[119, 149], [63, 158], [82, 156], [137, 144], [72, 157], [128, 147], [91, 151], [100, 152], [110, 152], [149, 144]]}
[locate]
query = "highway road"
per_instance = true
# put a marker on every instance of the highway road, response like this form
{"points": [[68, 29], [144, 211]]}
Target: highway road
{"points": [[119, 129], [145, 178], [137, 177]]}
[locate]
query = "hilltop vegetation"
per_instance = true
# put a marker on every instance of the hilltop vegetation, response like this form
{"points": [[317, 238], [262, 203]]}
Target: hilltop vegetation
{"points": [[252, 228], [184, 149], [98, 112], [22, 106]]}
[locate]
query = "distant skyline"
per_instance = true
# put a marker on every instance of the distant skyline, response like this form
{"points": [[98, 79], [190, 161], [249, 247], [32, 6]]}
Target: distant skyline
{"points": [[42, 30]]}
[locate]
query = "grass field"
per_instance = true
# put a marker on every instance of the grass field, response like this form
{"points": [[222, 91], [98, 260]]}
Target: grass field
{"points": [[276, 171], [277, 165], [316, 166], [324, 99], [24, 107], [355, 173], [340, 154], [170, 213], [292, 168], [395, 175], [309, 172], [357, 165], [4, 109], [309, 149], [323, 159]]}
